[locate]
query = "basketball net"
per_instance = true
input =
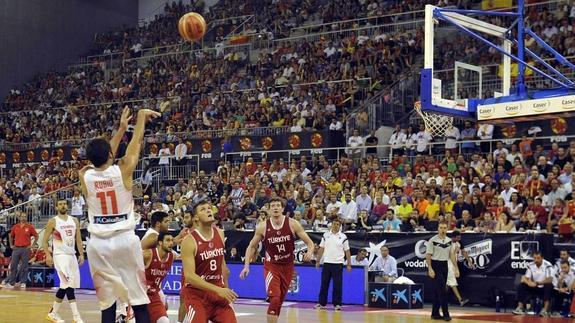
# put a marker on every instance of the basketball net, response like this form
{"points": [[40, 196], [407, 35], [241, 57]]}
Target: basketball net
{"points": [[435, 124]]}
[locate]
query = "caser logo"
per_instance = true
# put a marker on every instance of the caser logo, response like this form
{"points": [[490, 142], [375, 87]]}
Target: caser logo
{"points": [[540, 106], [486, 111], [568, 103], [512, 109]]}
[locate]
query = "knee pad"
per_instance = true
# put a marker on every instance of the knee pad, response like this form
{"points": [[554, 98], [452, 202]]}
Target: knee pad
{"points": [[275, 305], [70, 294], [61, 293]]}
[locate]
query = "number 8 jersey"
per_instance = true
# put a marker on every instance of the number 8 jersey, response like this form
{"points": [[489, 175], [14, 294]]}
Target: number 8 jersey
{"points": [[110, 204]]}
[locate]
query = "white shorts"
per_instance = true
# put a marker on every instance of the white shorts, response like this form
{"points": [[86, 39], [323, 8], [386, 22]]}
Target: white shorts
{"points": [[117, 267], [451, 281], [68, 271]]}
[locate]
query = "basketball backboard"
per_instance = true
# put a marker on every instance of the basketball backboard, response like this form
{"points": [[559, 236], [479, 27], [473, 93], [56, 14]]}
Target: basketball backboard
{"points": [[461, 88]]}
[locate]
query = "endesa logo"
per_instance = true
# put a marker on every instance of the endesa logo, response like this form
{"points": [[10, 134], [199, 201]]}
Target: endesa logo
{"points": [[522, 253]]}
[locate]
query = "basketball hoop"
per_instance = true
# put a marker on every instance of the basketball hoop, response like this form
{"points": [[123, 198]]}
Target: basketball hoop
{"points": [[435, 124]]}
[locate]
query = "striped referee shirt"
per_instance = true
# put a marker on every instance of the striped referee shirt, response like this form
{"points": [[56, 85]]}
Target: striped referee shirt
{"points": [[439, 249]]}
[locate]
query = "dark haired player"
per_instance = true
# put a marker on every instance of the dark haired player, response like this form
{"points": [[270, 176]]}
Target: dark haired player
{"points": [[116, 260], [158, 262]]}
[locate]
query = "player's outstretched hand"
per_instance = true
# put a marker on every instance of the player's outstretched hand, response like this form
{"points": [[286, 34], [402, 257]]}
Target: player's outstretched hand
{"points": [[308, 256], [244, 273], [125, 118], [227, 294], [148, 114]]}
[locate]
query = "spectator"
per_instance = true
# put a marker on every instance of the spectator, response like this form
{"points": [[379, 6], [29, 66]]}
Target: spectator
{"points": [[391, 223], [505, 224], [360, 259], [348, 212], [487, 225], [386, 265], [78, 204], [465, 223]]}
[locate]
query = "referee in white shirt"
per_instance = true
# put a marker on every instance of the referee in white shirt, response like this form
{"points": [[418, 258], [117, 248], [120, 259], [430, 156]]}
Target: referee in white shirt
{"points": [[439, 252], [335, 245]]}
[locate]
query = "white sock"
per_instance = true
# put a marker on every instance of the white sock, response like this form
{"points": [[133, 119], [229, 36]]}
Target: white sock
{"points": [[56, 307], [74, 308]]}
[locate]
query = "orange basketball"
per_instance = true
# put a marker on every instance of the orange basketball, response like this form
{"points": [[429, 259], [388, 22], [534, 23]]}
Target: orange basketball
{"points": [[192, 26]]}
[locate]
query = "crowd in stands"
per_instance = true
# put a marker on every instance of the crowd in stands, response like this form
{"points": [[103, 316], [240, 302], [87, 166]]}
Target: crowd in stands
{"points": [[207, 90], [516, 188]]}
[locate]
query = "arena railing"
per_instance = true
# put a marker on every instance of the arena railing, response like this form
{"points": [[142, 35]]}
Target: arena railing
{"points": [[351, 23], [384, 150], [38, 209]]}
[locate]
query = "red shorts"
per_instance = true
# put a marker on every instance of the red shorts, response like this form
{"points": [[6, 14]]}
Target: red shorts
{"points": [[278, 278], [202, 306], [156, 307]]}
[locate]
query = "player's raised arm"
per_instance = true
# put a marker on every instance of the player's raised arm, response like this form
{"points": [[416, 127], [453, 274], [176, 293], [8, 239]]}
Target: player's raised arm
{"points": [[47, 234], [117, 138], [252, 247], [300, 232], [189, 267], [130, 160], [149, 241]]}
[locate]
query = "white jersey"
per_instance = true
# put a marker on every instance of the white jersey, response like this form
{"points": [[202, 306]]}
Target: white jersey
{"points": [[149, 232], [64, 236], [110, 204]]}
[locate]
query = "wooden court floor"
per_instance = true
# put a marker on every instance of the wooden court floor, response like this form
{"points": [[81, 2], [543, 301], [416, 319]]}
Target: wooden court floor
{"points": [[32, 305]]}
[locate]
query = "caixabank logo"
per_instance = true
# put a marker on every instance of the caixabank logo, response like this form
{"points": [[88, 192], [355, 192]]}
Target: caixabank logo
{"points": [[522, 253]]}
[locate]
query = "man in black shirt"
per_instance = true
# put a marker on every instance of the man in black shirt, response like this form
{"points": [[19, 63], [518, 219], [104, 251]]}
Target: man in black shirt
{"points": [[371, 140], [466, 223]]}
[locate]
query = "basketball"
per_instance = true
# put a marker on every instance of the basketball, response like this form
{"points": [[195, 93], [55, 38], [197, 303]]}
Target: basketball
{"points": [[192, 26]]}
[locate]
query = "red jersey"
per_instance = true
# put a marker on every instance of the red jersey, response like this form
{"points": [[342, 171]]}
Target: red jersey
{"points": [[210, 257], [279, 243], [157, 271]]}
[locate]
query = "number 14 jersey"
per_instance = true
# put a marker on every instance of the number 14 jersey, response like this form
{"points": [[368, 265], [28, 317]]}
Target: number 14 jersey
{"points": [[279, 243]]}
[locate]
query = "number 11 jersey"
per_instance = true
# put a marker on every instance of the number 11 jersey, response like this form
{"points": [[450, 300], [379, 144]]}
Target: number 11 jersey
{"points": [[110, 204]]}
